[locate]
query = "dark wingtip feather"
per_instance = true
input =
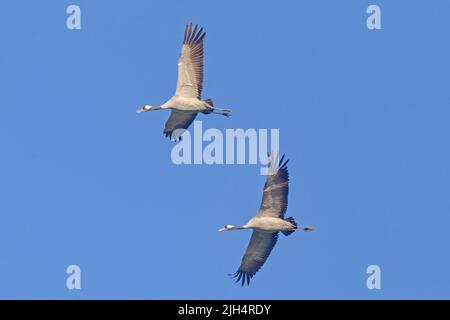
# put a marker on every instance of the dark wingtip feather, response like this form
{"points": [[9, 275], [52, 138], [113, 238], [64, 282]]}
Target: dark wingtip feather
{"points": [[188, 39], [201, 37], [192, 35], [283, 165], [238, 276], [241, 277], [197, 36], [185, 33]]}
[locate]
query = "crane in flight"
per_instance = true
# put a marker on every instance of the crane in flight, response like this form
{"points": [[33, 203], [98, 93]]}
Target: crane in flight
{"points": [[187, 102], [268, 222]]}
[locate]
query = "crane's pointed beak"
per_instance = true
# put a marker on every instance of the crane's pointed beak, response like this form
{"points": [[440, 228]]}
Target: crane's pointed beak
{"points": [[141, 110], [222, 229]]}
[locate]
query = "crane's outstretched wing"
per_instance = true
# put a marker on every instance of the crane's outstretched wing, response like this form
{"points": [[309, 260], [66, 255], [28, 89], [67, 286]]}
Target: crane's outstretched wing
{"points": [[190, 64], [258, 250], [178, 120], [275, 195]]}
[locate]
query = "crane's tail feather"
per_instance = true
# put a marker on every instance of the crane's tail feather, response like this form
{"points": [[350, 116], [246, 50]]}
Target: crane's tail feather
{"points": [[294, 226], [210, 102], [291, 220]]}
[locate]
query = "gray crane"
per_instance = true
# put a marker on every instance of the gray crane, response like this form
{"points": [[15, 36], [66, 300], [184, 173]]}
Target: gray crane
{"points": [[268, 222], [187, 102]]}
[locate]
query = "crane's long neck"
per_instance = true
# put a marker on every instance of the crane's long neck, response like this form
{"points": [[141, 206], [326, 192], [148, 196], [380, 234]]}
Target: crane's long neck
{"points": [[237, 227], [167, 105], [148, 108]]}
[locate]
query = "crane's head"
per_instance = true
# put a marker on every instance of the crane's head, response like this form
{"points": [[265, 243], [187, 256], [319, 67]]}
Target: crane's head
{"points": [[147, 108], [227, 228]]}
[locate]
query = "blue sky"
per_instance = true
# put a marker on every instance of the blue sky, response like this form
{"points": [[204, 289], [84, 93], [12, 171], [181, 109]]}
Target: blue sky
{"points": [[363, 116]]}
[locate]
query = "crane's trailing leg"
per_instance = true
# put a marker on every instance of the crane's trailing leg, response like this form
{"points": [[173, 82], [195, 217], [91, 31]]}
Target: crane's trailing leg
{"points": [[226, 113], [211, 108]]}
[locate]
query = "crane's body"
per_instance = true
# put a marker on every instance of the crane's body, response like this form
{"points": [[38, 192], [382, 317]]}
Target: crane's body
{"points": [[268, 222], [187, 101], [185, 104]]}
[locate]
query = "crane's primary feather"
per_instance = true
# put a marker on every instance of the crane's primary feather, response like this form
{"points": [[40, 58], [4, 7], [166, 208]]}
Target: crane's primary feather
{"points": [[190, 64]]}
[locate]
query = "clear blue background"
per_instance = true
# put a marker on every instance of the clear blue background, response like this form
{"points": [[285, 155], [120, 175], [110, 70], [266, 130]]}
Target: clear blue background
{"points": [[363, 117]]}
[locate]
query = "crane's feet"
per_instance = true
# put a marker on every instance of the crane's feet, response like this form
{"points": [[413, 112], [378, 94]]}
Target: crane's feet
{"points": [[223, 112]]}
